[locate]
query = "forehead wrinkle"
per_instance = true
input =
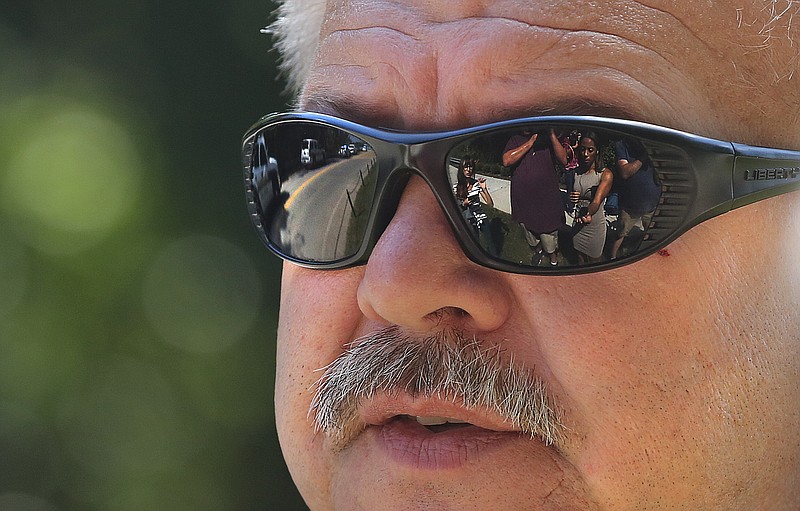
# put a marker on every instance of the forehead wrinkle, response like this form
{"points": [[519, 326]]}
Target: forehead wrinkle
{"points": [[486, 62], [564, 40], [693, 32], [469, 22], [367, 45], [386, 29], [512, 65], [650, 107], [420, 19], [370, 55], [366, 110], [359, 96], [675, 33], [415, 26], [409, 79], [641, 21], [361, 14]]}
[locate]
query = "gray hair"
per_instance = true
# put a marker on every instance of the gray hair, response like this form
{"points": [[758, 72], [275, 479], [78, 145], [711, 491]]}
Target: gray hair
{"points": [[777, 21], [296, 33], [447, 366]]}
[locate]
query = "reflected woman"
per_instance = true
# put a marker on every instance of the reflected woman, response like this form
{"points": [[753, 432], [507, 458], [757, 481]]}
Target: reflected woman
{"points": [[593, 182], [470, 191]]}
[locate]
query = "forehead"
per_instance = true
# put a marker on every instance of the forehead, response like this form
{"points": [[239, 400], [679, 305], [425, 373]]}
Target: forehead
{"points": [[420, 65], [408, 61]]}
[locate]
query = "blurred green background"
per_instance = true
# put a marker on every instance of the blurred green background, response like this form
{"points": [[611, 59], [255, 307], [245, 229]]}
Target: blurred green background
{"points": [[137, 307]]}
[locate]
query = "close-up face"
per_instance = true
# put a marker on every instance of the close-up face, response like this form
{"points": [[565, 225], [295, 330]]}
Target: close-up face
{"points": [[668, 383], [587, 149]]}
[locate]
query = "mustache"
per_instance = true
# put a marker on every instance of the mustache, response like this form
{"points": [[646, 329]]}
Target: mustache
{"points": [[446, 365]]}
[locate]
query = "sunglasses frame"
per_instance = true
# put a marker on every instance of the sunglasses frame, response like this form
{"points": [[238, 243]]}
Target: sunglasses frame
{"points": [[731, 175]]}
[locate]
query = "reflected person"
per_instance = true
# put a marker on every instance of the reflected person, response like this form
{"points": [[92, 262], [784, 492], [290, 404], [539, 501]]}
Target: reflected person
{"points": [[592, 185], [639, 190], [470, 191], [535, 195]]}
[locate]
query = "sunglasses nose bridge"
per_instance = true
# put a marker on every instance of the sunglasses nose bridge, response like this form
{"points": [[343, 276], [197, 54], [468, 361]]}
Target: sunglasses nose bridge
{"points": [[431, 161], [400, 160]]}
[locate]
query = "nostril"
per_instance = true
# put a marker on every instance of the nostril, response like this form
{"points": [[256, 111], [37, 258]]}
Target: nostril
{"points": [[447, 314]]}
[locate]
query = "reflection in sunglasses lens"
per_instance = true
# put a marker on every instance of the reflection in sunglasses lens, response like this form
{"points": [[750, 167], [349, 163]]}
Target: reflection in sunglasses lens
{"points": [[562, 197], [544, 196], [314, 186]]}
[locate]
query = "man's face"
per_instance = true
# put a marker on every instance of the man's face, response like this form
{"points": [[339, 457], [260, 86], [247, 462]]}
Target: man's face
{"points": [[675, 378]]}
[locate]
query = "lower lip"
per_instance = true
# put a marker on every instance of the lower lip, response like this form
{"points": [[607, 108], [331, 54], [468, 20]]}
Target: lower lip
{"points": [[410, 443]]}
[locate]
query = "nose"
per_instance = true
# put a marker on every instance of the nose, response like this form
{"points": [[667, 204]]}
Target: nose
{"points": [[418, 277]]}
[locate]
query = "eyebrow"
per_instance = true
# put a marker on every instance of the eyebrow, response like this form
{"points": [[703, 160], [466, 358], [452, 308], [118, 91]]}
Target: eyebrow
{"points": [[365, 111], [577, 106], [350, 108]]}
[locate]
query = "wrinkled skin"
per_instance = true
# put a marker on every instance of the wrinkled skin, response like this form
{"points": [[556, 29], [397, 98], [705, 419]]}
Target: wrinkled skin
{"points": [[678, 375]]}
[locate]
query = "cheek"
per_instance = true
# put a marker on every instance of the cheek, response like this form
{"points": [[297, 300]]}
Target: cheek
{"points": [[790, 247], [664, 359], [319, 314]]}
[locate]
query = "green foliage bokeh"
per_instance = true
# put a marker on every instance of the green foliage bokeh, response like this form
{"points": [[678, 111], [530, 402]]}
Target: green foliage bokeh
{"points": [[137, 308]]}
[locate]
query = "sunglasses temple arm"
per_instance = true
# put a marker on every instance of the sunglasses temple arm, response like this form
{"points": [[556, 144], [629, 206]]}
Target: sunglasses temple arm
{"points": [[760, 173]]}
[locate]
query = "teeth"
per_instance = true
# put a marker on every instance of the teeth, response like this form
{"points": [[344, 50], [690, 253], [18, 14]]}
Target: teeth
{"points": [[432, 421], [437, 421]]}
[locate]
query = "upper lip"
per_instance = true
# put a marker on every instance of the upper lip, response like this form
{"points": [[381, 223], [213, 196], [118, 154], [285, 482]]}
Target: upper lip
{"points": [[382, 408]]}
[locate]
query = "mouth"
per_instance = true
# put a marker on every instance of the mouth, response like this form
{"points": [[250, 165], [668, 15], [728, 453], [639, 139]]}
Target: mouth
{"points": [[447, 446], [435, 435]]}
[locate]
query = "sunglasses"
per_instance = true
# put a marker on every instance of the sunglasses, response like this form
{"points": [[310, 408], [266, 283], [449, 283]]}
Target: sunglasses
{"points": [[321, 190]]}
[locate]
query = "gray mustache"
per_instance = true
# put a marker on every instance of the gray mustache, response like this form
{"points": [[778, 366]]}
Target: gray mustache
{"points": [[446, 366]]}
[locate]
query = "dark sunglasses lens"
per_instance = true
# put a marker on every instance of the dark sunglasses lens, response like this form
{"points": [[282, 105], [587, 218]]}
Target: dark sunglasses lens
{"points": [[538, 197], [313, 187]]}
